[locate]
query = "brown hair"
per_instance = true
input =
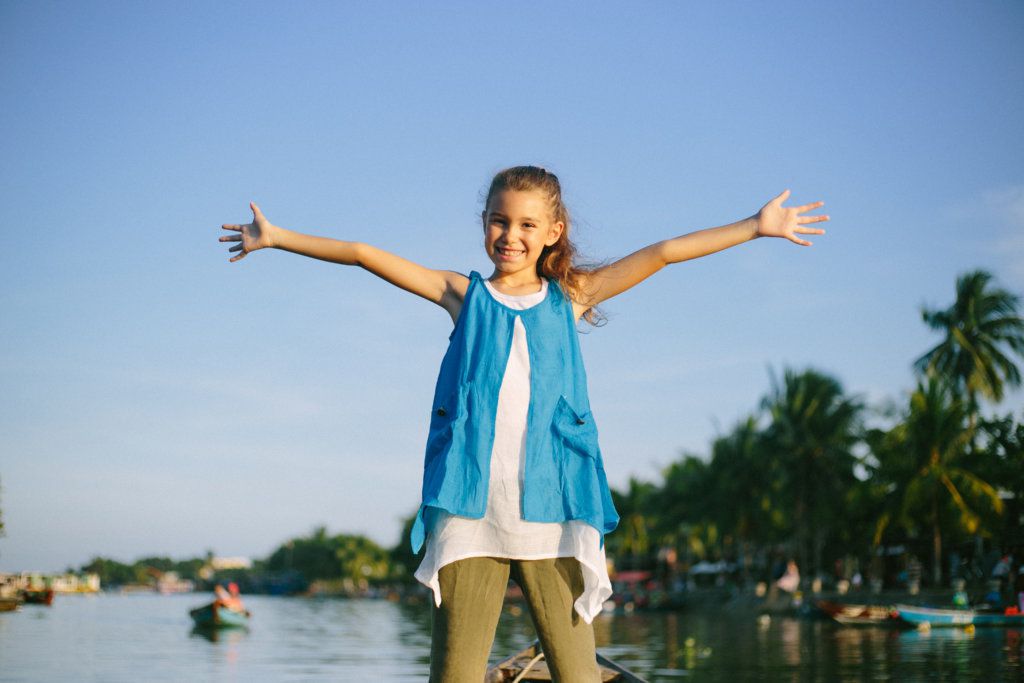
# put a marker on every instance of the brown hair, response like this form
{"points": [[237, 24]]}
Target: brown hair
{"points": [[559, 261]]}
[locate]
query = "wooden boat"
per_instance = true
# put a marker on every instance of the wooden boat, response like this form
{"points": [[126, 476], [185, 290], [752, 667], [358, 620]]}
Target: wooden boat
{"points": [[957, 617], [214, 615], [529, 665], [863, 615], [9, 604], [38, 597]]}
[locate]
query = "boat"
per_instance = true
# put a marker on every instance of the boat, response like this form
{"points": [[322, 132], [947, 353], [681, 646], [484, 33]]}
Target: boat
{"points": [[958, 617], [529, 665], [863, 615], [215, 615], [42, 596], [9, 604]]}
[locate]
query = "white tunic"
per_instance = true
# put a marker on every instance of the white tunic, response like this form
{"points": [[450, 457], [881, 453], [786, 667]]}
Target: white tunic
{"points": [[502, 532]]}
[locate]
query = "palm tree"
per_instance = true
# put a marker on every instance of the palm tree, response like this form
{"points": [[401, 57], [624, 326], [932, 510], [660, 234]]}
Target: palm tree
{"points": [[980, 328], [814, 428], [360, 559], [746, 487], [634, 507], [924, 459], [683, 506]]}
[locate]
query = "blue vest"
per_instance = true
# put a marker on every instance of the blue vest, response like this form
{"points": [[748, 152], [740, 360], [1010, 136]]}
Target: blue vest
{"points": [[563, 473]]}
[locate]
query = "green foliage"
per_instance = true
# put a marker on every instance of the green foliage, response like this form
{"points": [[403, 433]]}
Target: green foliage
{"points": [[633, 537], [797, 481], [111, 572], [810, 439], [982, 327], [143, 571], [322, 557], [760, 487], [403, 560], [932, 474], [748, 485]]}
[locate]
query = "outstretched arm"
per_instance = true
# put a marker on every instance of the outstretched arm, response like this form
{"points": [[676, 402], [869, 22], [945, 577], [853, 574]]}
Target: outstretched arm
{"points": [[773, 220], [443, 287]]}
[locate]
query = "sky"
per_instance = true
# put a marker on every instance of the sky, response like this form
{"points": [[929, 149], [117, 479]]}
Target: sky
{"points": [[159, 400]]}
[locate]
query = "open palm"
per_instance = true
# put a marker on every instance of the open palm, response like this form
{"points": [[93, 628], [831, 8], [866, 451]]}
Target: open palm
{"points": [[776, 220], [253, 236]]}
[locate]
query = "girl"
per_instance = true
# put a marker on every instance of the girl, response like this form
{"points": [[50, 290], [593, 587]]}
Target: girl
{"points": [[514, 481]]}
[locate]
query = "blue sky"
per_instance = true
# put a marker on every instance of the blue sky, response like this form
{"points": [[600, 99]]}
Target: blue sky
{"points": [[159, 400]]}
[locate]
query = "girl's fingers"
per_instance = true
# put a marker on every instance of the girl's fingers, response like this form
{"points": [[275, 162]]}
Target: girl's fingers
{"points": [[237, 247], [808, 207], [811, 219], [231, 238], [228, 226], [236, 258]]}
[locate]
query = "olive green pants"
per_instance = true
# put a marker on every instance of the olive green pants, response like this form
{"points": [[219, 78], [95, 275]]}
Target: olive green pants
{"points": [[472, 593]]}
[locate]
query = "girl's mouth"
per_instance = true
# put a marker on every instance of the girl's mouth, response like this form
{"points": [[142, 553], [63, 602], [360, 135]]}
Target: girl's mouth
{"points": [[507, 253]]}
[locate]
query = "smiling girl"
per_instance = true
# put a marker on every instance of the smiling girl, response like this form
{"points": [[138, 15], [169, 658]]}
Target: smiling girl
{"points": [[514, 480]]}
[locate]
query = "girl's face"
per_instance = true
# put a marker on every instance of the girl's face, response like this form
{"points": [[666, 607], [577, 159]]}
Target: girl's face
{"points": [[517, 227]]}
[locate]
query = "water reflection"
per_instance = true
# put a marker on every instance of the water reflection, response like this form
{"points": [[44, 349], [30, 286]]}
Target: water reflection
{"points": [[216, 635], [115, 638], [717, 644]]}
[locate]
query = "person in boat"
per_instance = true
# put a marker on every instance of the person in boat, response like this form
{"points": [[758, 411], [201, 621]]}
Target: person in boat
{"points": [[790, 580], [514, 482], [230, 597], [1001, 571]]}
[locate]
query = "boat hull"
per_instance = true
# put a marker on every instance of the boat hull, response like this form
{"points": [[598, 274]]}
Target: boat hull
{"points": [[218, 616], [9, 604], [956, 617], [859, 615], [38, 597], [531, 660]]}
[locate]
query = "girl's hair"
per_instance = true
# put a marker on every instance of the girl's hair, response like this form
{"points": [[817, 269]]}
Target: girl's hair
{"points": [[559, 261]]}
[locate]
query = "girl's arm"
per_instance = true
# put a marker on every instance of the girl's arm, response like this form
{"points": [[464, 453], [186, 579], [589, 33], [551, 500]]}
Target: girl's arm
{"points": [[443, 287], [773, 220]]}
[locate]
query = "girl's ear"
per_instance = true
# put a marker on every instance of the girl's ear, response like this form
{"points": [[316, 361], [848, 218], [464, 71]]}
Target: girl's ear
{"points": [[554, 233]]}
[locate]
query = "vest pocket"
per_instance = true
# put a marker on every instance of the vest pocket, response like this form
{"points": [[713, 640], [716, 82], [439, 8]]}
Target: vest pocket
{"points": [[575, 429], [576, 456], [443, 417]]}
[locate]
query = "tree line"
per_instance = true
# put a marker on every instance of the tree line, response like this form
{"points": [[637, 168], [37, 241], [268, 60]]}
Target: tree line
{"points": [[806, 475]]}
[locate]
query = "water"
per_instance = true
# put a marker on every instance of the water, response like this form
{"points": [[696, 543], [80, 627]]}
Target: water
{"points": [[150, 638]]}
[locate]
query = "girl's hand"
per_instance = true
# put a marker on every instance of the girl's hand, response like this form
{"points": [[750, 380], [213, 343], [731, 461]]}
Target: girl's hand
{"points": [[255, 235], [776, 220]]}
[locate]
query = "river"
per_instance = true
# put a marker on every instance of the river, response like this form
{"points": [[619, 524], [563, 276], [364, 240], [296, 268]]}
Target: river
{"points": [[150, 638]]}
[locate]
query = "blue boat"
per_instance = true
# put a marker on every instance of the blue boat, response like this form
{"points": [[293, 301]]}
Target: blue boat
{"points": [[957, 617], [215, 615]]}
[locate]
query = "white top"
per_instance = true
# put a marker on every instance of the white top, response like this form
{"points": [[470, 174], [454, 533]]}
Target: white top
{"points": [[502, 532]]}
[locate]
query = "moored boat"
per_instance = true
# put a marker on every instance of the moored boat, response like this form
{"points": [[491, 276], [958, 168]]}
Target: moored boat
{"points": [[9, 604], [529, 665], [42, 596], [215, 615], [859, 615], [957, 617]]}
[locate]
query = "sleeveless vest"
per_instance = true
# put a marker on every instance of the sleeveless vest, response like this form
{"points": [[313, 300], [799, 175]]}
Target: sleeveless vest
{"points": [[563, 473]]}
